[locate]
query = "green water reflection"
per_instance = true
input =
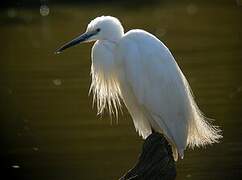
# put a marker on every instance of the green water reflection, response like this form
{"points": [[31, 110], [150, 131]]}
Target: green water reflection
{"points": [[50, 131]]}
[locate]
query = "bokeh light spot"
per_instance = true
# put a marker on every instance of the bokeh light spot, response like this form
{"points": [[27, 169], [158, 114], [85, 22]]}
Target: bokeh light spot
{"points": [[11, 13], [192, 9], [15, 166], [44, 10], [57, 82]]}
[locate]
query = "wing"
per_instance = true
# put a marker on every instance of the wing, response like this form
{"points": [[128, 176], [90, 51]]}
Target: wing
{"points": [[157, 82]]}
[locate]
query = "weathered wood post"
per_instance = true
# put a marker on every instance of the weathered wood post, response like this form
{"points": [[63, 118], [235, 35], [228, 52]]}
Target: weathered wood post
{"points": [[155, 162]]}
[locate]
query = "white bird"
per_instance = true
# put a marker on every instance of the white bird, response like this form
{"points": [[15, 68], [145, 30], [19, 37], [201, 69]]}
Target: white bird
{"points": [[139, 69]]}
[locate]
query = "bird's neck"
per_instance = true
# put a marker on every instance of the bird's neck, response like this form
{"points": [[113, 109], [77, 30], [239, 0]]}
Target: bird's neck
{"points": [[114, 38], [108, 41]]}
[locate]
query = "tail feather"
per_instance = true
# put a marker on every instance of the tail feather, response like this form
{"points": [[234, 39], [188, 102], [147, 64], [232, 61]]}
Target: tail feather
{"points": [[200, 131]]}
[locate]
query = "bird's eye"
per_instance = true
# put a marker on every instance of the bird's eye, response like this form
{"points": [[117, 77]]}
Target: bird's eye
{"points": [[98, 29]]}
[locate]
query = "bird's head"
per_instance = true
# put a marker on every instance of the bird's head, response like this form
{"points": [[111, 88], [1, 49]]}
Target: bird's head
{"points": [[101, 28]]}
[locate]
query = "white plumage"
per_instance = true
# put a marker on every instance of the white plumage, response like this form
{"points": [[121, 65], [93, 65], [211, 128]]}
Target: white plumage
{"points": [[139, 69]]}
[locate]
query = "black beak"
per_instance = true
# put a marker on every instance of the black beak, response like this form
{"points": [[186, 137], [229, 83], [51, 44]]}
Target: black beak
{"points": [[75, 41]]}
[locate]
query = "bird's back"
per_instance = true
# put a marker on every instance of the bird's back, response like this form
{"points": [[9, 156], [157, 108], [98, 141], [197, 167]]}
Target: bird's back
{"points": [[157, 94]]}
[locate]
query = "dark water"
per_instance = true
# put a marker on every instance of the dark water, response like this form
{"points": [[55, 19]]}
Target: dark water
{"points": [[50, 131]]}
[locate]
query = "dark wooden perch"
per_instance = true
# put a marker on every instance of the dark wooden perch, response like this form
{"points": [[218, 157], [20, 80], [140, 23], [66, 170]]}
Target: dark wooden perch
{"points": [[155, 162]]}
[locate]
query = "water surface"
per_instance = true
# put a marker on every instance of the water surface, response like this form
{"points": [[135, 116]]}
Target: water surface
{"points": [[49, 129]]}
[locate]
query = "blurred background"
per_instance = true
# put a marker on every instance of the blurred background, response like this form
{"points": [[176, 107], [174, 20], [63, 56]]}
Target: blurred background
{"points": [[48, 127]]}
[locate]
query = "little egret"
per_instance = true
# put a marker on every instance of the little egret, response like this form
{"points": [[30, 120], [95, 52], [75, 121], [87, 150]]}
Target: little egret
{"points": [[139, 69]]}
